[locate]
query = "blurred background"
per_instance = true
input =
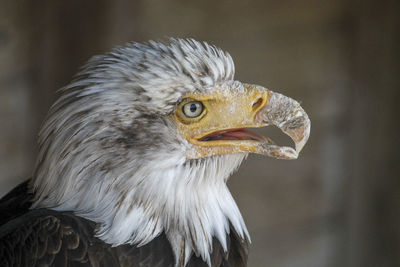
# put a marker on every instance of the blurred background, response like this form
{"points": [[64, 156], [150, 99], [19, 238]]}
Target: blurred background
{"points": [[339, 203]]}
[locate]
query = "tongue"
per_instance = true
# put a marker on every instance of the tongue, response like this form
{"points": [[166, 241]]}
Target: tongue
{"points": [[238, 134], [241, 134]]}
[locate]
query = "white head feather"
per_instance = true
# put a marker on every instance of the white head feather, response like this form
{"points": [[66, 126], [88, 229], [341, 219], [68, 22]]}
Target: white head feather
{"points": [[109, 152]]}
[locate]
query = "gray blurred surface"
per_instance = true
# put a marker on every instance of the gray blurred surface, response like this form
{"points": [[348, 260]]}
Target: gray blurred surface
{"points": [[339, 203]]}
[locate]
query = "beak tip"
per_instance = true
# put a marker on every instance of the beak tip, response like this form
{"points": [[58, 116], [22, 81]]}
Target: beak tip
{"points": [[289, 116], [306, 134]]}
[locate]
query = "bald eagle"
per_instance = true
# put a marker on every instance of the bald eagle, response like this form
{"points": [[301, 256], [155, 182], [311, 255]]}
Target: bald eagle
{"points": [[133, 162]]}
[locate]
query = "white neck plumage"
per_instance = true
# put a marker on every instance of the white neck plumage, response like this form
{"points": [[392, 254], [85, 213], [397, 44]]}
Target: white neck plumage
{"points": [[189, 201]]}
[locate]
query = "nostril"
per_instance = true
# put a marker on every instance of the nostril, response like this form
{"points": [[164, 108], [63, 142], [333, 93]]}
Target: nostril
{"points": [[258, 103]]}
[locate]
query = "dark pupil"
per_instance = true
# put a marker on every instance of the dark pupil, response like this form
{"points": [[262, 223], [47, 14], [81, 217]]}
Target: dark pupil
{"points": [[193, 107]]}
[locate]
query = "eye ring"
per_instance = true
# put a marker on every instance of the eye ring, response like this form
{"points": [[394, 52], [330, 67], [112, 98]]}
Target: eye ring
{"points": [[192, 109]]}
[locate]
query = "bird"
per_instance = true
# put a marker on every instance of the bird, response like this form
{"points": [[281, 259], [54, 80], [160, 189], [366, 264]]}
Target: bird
{"points": [[134, 157]]}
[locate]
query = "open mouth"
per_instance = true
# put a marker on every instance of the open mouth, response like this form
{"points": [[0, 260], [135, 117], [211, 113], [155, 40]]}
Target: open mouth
{"points": [[249, 140], [234, 134]]}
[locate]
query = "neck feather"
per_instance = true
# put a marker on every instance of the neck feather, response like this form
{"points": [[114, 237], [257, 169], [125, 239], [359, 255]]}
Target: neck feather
{"points": [[188, 200]]}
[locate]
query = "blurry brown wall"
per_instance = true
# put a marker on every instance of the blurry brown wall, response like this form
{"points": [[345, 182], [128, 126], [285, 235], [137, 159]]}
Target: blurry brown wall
{"points": [[339, 203]]}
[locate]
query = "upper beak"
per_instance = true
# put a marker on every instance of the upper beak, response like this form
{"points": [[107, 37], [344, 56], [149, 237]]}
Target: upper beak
{"points": [[289, 116]]}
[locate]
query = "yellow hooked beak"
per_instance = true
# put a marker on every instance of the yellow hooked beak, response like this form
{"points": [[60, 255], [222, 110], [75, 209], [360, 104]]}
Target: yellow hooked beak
{"points": [[216, 122]]}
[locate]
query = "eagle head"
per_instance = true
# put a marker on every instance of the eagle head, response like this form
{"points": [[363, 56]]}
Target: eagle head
{"points": [[143, 140]]}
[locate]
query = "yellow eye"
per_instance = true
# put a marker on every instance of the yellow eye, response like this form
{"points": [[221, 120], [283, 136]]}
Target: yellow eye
{"points": [[192, 109]]}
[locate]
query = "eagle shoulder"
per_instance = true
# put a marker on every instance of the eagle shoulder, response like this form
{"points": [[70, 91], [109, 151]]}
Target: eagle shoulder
{"points": [[46, 238]]}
